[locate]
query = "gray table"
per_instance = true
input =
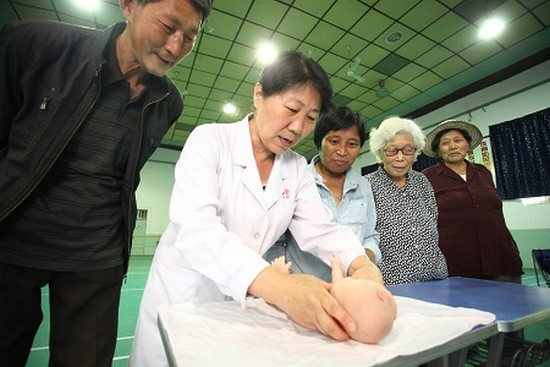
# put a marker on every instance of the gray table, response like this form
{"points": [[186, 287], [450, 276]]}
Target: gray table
{"points": [[514, 305]]}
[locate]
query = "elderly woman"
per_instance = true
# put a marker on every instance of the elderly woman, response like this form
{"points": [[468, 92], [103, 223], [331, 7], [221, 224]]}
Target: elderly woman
{"points": [[405, 206], [472, 230]]}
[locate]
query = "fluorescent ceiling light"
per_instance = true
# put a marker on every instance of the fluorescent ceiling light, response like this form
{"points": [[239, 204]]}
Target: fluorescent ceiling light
{"points": [[229, 109], [267, 53], [491, 28], [87, 4]]}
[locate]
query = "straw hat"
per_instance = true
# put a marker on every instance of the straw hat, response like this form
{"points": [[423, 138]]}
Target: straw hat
{"points": [[470, 129]]}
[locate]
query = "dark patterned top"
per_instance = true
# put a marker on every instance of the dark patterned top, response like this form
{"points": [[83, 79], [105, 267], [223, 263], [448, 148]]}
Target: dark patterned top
{"points": [[407, 224]]}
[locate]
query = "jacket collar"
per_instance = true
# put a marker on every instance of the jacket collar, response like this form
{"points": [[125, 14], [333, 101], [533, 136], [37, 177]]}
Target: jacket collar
{"points": [[442, 170], [159, 85]]}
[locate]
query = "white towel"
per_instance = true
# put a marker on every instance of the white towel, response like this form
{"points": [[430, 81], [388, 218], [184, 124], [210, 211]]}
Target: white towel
{"points": [[224, 334]]}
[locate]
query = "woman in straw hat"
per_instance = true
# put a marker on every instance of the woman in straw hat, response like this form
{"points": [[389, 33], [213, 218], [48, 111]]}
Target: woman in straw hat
{"points": [[472, 231]]}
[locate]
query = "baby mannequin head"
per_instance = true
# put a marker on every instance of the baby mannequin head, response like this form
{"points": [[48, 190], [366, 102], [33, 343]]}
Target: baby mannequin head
{"points": [[370, 304]]}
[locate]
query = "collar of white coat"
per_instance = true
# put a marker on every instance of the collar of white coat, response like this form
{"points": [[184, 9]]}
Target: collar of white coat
{"points": [[243, 156]]}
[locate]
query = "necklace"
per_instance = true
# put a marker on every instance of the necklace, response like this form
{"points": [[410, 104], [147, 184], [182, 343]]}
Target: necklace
{"points": [[402, 183], [334, 184]]}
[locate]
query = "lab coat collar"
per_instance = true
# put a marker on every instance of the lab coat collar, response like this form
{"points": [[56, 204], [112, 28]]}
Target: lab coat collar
{"points": [[244, 157]]}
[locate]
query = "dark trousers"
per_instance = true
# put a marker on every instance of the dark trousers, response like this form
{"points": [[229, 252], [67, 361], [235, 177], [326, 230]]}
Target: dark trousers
{"points": [[83, 315]]}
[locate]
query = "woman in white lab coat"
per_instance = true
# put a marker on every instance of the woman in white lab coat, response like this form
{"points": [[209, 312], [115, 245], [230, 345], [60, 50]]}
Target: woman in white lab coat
{"points": [[238, 187]]}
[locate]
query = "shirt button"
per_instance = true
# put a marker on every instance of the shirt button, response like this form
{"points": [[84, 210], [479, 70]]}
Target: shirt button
{"points": [[151, 141], [256, 236]]}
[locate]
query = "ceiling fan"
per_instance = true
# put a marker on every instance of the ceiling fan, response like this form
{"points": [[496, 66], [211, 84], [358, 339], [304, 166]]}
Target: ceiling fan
{"points": [[383, 91], [352, 68]]}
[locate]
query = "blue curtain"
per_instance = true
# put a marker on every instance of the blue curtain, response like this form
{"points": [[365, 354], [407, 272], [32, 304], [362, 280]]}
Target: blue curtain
{"points": [[521, 154], [423, 161], [369, 168]]}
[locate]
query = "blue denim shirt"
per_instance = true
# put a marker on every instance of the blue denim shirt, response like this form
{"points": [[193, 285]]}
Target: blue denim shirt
{"points": [[356, 210]]}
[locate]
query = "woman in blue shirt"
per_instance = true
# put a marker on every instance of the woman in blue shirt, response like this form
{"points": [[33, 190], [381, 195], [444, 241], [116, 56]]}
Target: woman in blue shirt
{"points": [[339, 136]]}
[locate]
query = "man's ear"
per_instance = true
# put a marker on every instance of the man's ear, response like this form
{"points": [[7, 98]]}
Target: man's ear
{"points": [[258, 95], [127, 7]]}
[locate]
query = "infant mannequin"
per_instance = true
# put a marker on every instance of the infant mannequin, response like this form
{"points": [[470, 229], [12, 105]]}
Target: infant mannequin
{"points": [[370, 304]]}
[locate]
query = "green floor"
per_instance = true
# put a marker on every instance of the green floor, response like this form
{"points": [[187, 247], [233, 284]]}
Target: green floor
{"points": [[131, 296]]}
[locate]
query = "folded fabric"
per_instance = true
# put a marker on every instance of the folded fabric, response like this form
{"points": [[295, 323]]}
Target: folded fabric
{"points": [[225, 334]]}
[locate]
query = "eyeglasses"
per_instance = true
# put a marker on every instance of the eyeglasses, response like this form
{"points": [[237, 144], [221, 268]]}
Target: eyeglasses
{"points": [[392, 152]]}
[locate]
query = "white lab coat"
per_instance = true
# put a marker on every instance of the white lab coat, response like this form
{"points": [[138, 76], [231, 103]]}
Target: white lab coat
{"points": [[221, 223]]}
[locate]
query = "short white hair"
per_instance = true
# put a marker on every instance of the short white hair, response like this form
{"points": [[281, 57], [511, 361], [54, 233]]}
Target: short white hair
{"points": [[387, 131]]}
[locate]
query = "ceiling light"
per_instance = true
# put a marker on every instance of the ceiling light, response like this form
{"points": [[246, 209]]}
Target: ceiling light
{"points": [[87, 4], [229, 109], [393, 37], [267, 53], [491, 28]]}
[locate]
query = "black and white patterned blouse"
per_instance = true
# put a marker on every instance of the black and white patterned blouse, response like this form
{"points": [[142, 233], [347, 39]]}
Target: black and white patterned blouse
{"points": [[407, 224]]}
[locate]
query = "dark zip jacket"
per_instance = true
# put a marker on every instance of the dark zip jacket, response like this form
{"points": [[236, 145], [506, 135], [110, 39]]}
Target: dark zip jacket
{"points": [[49, 82]]}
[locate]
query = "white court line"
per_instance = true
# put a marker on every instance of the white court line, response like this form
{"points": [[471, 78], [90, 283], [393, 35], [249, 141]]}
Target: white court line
{"points": [[39, 348], [34, 349], [132, 290], [46, 293]]}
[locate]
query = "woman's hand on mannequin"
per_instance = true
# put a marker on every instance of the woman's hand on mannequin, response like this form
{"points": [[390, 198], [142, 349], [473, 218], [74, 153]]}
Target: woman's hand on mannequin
{"points": [[305, 299]]}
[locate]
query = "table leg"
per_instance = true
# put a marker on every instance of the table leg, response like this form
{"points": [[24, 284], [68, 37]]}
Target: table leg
{"points": [[455, 359], [439, 362], [458, 358], [496, 344]]}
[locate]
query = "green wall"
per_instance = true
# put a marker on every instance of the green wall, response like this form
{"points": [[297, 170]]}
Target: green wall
{"points": [[529, 239]]}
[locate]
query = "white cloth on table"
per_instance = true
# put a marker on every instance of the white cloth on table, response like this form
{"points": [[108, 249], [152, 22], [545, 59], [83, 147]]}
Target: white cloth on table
{"points": [[225, 334]]}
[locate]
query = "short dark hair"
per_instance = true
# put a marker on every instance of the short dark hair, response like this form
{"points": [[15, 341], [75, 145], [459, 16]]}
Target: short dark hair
{"points": [[203, 6], [338, 118], [294, 68], [437, 139]]}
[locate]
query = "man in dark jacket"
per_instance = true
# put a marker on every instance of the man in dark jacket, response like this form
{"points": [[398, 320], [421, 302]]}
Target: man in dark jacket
{"points": [[81, 111]]}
